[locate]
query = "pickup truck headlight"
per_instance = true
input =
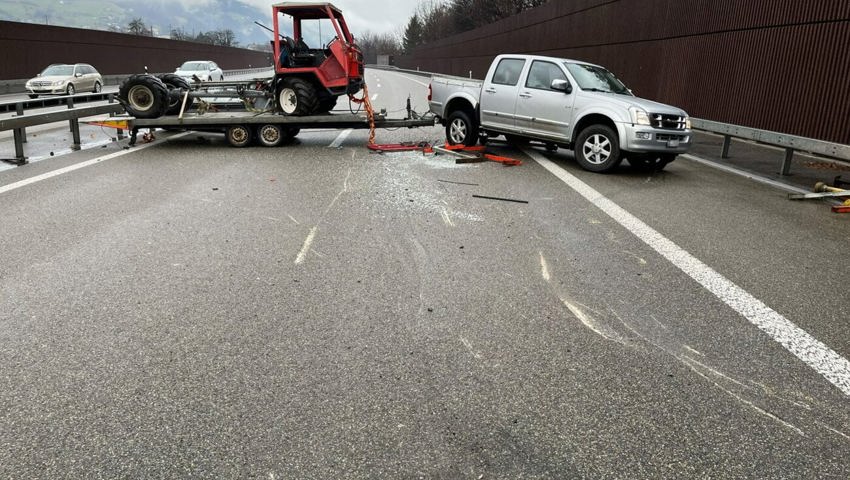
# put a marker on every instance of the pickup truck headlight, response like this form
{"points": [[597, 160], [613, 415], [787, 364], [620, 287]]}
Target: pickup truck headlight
{"points": [[639, 116], [688, 123]]}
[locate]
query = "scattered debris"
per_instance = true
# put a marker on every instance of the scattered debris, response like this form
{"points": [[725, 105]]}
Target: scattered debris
{"points": [[500, 198], [457, 183]]}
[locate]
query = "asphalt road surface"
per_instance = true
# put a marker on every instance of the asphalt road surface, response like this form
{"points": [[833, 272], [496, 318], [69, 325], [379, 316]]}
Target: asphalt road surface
{"points": [[188, 309]]}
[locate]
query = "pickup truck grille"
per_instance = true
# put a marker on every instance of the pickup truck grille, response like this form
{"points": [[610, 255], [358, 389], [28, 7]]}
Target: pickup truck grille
{"points": [[669, 122]]}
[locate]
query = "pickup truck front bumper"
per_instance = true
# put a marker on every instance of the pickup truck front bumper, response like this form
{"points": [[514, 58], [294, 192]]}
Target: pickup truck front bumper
{"points": [[644, 139]]}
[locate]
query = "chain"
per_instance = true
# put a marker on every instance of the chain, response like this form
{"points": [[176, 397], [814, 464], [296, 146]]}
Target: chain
{"points": [[370, 112]]}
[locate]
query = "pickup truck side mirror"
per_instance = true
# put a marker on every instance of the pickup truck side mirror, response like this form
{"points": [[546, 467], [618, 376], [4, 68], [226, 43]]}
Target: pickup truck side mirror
{"points": [[562, 86]]}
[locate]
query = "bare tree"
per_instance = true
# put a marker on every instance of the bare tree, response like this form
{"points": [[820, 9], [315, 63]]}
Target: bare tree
{"points": [[137, 27]]}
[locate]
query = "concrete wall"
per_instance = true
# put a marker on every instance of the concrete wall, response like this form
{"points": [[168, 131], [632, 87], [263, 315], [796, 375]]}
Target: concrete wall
{"points": [[780, 65], [25, 49]]}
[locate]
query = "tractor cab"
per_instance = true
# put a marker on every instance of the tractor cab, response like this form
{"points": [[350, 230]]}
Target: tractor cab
{"points": [[313, 44]]}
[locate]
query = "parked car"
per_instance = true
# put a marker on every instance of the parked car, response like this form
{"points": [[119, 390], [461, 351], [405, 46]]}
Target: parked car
{"points": [[562, 103], [204, 70], [65, 79]]}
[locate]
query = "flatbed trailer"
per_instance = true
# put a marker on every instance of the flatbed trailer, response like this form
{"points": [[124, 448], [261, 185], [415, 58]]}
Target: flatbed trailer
{"points": [[269, 129]]}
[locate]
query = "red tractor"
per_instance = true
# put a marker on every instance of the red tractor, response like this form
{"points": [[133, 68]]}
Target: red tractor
{"points": [[308, 79]]}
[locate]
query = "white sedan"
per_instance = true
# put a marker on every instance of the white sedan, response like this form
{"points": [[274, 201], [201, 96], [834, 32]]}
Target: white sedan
{"points": [[200, 70]]}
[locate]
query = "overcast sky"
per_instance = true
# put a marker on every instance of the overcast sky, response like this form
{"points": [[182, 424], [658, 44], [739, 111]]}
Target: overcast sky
{"points": [[376, 16]]}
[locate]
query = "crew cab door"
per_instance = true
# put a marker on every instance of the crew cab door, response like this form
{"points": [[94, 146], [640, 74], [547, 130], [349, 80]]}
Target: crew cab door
{"points": [[499, 94], [542, 111]]}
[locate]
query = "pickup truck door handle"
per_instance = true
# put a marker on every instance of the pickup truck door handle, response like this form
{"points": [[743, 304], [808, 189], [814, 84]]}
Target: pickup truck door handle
{"points": [[490, 90], [525, 95]]}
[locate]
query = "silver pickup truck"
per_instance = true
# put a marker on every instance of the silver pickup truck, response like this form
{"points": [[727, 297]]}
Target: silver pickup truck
{"points": [[564, 103]]}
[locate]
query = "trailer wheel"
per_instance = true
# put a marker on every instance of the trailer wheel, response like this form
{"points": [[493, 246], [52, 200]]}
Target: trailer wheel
{"points": [[176, 86], [143, 96], [597, 149], [460, 129], [297, 97], [238, 136], [270, 135]]}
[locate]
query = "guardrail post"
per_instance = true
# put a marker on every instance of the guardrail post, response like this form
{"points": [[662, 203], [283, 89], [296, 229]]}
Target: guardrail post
{"points": [[19, 111], [70, 101], [19, 146], [786, 162], [727, 141], [75, 126], [110, 98]]}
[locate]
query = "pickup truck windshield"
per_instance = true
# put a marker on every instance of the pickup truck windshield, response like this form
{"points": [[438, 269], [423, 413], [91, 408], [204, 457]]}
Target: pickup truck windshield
{"points": [[596, 79]]}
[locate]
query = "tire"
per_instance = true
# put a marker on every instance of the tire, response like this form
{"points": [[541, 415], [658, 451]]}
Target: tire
{"points": [[650, 162], [97, 87], [176, 86], [143, 96], [326, 105], [270, 135], [33, 95], [221, 78], [297, 97], [460, 130], [238, 136], [597, 149], [70, 90]]}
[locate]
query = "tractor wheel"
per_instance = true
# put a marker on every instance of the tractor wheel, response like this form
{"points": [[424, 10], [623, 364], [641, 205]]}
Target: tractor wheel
{"points": [[597, 149], [143, 96], [176, 86], [238, 136], [270, 135], [326, 105], [297, 97]]}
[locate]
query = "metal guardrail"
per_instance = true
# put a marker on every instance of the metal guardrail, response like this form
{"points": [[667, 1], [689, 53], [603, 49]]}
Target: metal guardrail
{"points": [[18, 124], [791, 143]]}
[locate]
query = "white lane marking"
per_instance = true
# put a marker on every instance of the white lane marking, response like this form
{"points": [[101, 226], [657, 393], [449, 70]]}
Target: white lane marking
{"points": [[306, 247], [446, 218], [340, 138], [411, 79], [544, 268], [469, 347], [748, 175], [293, 219], [810, 350], [77, 166], [374, 96]]}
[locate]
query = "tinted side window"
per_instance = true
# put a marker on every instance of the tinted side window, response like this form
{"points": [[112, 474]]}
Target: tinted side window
{"points": [[541, 74], [508, 71]]}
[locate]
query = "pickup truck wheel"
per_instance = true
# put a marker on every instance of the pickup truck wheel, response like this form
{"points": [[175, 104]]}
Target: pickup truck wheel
{"points": [[238, 136], [597, 149], [460, 130]]}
